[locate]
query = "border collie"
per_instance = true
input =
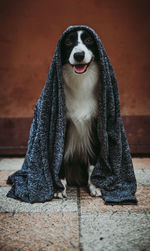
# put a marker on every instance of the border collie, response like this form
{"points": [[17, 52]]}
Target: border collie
{"points": [[80, 77]]}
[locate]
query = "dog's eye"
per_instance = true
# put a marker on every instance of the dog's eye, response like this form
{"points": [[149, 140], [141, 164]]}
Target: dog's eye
{"points": [[88, 41], [68, 42]]}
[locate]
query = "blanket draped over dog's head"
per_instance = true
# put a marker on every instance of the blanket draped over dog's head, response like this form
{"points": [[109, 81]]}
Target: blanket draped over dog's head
{"points": [[113, 174]]}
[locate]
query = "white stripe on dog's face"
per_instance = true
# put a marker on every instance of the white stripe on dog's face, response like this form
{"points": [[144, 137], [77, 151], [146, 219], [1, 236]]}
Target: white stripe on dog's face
{"points": [[80, 47]]}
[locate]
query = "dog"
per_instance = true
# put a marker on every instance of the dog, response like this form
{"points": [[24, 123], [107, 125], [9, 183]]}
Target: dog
{"points": [[81, 77]]}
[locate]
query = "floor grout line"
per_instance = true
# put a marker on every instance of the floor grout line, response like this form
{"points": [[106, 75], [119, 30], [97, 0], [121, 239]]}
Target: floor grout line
{"points": [[79, 217]]}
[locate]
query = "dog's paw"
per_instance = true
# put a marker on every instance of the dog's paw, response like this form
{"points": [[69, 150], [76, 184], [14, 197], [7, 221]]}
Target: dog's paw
{"points": [[94, 191], [60, 195]]}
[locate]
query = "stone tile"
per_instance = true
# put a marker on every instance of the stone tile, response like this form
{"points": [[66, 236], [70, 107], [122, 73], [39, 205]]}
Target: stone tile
{"points": [[141, 163], [39, 231], [3, 177], [11, 163], [142, 176], [115, 231], [56, 205], [93, 205]]}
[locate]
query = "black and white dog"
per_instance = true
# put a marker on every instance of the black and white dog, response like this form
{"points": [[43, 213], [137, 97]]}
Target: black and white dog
{"points": [[81, 76]]}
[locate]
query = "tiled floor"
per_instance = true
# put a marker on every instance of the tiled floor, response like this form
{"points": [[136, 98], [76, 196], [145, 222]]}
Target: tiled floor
{"points": [[79, 222]]}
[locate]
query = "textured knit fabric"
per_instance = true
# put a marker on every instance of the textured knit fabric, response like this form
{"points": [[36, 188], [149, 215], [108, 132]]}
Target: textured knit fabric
{"points": [[113, 174]]}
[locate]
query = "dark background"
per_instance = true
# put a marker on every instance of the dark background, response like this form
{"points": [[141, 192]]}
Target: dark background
{"points": [[29, 31]]}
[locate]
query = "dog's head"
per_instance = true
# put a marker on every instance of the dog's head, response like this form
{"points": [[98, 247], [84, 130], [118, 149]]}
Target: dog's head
{"points": [[78, 50]]}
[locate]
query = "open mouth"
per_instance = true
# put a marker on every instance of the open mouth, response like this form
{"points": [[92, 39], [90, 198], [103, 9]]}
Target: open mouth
{"points": [[80, 68]]}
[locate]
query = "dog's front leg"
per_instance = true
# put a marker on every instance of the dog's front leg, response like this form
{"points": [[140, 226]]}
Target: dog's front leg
{"points": [[94, 191], [63, 193]]}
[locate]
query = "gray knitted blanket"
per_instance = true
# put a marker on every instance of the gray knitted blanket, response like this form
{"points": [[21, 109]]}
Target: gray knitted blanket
{"points": [[113, 174]]}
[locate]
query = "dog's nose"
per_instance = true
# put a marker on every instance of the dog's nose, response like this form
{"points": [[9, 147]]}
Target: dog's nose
{"points": [[79, 56]]}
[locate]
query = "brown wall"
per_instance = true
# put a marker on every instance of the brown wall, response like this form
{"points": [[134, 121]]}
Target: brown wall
{"points": [[29, 31]]}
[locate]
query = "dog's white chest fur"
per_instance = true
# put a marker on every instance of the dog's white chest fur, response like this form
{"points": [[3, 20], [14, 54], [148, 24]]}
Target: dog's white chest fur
{"points": [[81, 105]]}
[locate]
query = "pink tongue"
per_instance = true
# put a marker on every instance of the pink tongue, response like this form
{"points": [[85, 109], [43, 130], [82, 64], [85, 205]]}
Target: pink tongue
{"points": [[80, 68]]}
